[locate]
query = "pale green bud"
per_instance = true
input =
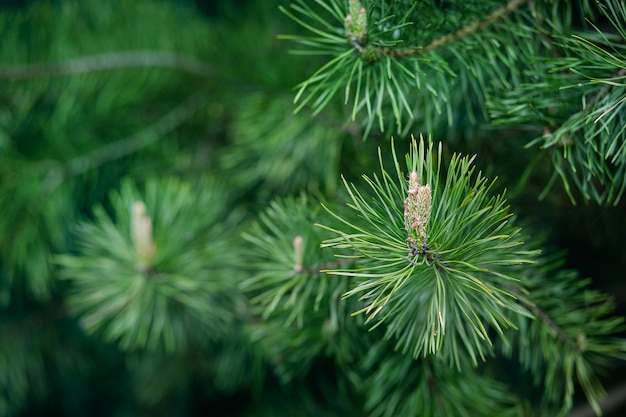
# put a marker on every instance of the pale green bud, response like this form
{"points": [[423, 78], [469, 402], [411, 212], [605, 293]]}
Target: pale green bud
{"points": [[356, 23], [417, 208], [141, 235]]}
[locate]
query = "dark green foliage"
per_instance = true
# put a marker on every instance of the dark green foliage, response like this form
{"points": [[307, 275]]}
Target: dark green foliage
{"points": [[175, 239], [576, 98], [401, 386], [579, 332], [307, 151]]}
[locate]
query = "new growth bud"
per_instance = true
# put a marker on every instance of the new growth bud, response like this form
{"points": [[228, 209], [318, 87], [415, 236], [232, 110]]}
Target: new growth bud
{"points": [[417, 207], [356, 24], [141, 235], [298, 253]]}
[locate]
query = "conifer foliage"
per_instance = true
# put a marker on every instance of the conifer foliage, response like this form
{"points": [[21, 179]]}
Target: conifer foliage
{"points": [[438, 272], [312, 208]]}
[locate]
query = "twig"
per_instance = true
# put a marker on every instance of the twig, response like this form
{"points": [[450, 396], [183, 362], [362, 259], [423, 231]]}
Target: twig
{"points": [[101, 62], [126, 146], [545, 318], [600, 94], [453, 37], [323, 267]]}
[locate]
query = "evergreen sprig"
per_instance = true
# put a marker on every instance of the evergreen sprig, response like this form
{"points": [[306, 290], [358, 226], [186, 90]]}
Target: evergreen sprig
{"points": [[54, 85], [565, 344], [368, 87], [286, 260], [576, 100], [292, 138], [399, 69], [446, 294], [32, 227], [300, 308], [401, 386], [157, 270], [396, 71]]}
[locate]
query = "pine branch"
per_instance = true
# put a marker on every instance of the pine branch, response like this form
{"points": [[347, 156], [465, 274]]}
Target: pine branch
{"points": [[461, 33], [299, 310], [33, 227], [108, 61], [400, 386], [566, 342], [579, 104], [126, 146], [434, 265], [418, 296], [611, 83], [159, 272], [287, 261], [545, 318], [388, 75]]}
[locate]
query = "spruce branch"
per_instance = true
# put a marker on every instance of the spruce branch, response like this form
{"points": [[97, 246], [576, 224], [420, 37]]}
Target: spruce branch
{"points": [[421, 275]]}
